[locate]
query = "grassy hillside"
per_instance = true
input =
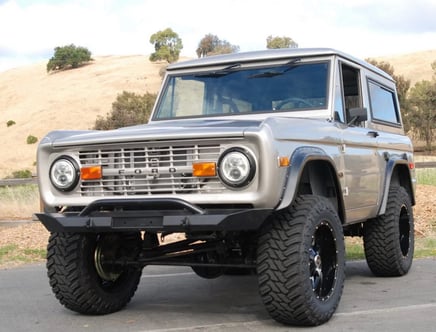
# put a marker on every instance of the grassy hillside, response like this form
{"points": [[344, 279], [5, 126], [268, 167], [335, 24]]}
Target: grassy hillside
{"points": [[39, 102], [413, 66]]}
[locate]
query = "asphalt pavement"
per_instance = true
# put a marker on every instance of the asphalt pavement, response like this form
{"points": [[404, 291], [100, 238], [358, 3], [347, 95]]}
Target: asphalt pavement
{"points": [[175, 299]]}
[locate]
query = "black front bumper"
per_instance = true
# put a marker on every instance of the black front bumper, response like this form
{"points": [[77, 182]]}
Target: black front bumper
{"points": [[157, 215]]}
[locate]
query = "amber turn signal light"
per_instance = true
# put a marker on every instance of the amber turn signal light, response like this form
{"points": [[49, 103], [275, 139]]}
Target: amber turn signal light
{"points": [[284, 161], [204, 169], [91, 173]]}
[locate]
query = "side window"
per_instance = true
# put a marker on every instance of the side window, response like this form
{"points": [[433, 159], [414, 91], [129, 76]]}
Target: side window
{"points": [[383, 103], [351, 90]]}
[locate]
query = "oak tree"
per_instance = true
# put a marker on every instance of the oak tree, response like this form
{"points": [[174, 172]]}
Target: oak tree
{"points": [[212, 45], [280, 42], [167, 46], [69, 56]]}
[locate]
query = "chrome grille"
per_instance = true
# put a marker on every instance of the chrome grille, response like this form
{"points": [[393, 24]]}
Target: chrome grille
{"points": [[150, 170]]}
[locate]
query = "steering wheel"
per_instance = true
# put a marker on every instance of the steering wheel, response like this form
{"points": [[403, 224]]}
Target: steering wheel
{"points": [[298, 103]]}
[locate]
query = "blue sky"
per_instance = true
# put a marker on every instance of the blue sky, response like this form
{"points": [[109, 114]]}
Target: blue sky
{"points": [[29, 30]]}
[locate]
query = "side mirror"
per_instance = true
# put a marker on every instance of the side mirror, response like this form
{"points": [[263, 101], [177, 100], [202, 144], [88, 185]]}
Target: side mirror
{"points": [[357, 115]]}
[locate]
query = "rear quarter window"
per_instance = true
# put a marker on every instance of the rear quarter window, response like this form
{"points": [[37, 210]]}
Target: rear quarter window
{"points": [[383, 104]]}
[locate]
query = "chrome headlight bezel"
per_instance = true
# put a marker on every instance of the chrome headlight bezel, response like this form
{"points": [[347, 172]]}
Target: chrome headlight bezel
{"points": [[241, 163], [66, 167]]}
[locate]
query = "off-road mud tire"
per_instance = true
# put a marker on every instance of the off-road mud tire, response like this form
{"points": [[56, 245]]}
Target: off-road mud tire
{"points": [[74, 277], [389, 239], [292, 241]]}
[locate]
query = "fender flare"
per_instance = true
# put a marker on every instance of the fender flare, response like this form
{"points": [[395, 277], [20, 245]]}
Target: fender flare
{"points": [[392, 162], [298, 160]]}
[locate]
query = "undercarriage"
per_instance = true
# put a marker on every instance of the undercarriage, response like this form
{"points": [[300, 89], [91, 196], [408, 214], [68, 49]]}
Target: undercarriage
{"points": [[209, 254]]}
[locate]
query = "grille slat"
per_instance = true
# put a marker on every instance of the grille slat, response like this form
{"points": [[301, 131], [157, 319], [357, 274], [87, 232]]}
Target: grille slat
{"points": [[150, 170]]}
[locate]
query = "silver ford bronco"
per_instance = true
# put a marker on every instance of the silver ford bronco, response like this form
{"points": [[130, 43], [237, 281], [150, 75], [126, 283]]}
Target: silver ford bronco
{"points": [[262, 160]]}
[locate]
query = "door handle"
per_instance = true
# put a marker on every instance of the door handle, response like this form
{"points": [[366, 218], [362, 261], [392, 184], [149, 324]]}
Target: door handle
{"points": [[373, 134]]}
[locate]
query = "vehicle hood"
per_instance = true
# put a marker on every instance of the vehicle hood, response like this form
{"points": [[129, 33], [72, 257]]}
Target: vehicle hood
{"points": [[156, 131], [280, 128]]}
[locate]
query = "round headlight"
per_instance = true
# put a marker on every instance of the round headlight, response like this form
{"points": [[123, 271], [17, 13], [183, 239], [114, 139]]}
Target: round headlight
{"points": [[236, 167], [64, 173]]}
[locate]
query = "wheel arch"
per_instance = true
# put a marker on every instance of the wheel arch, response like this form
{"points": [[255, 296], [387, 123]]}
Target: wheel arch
{"points": [[397, 174], [312, 171]]}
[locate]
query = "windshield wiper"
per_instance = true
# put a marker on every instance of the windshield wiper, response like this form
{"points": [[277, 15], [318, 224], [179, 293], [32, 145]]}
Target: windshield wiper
{"points": [[289, 64], [267, 74], [222, 72]]}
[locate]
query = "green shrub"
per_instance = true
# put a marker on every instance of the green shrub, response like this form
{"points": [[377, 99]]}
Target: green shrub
{"points": [[129, 109], [31, 139], [10, 123], [22, 174], [68, 56]]}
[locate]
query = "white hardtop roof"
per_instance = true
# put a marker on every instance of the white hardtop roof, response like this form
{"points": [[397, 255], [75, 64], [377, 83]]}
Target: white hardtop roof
{"points": [[270, 54]]}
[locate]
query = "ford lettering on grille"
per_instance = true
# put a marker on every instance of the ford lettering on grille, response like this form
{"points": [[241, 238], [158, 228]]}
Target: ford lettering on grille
{"points": [[150, 170]]}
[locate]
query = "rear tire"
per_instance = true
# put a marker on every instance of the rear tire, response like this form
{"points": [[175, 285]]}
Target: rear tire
{"points": [[389, 239], [301, 262], [79, 276]]}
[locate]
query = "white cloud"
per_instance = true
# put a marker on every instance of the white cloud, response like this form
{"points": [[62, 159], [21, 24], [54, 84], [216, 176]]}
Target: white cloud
{"points": [[31, 29]]}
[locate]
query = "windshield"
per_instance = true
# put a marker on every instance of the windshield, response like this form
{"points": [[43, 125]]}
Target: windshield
{"points": [[232, 91]]}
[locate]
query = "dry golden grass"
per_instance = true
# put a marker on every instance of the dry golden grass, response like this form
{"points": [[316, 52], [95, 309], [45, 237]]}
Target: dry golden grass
{"points": [[39, 102], [413, 66], [18, 202]]}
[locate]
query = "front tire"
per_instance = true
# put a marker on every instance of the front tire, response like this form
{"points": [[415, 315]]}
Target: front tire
{"points": [[81, 279], [389, 239], [301, 262]]}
